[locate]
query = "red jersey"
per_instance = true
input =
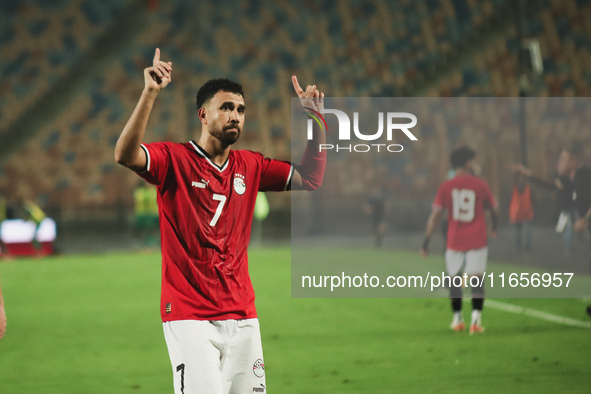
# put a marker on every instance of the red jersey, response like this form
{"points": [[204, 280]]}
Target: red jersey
{"points": [[205, 220], [465, 197]]}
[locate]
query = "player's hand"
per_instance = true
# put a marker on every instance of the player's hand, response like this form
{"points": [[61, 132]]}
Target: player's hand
{"points": [[521, 169], [311, 97], [159, 75], [581, 225], [425, 247], [494, 233], [424, 252]]}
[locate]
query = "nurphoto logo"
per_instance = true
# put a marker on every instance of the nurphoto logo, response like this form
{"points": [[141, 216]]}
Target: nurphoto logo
{"points": [[394, 122]]}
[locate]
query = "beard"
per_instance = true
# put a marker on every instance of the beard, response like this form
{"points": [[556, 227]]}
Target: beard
{"points": [[226, 137]]}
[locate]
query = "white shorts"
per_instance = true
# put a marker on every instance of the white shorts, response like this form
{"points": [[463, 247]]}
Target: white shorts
{"points": [[216, 357], [470, 262]]}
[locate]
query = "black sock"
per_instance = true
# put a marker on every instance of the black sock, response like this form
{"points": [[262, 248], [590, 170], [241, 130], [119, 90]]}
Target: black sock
{"points": [[478, 296]]}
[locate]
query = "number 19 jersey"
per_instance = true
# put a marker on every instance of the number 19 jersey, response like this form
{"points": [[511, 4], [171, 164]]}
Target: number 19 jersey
{"points": [[465, 197], [205, 221]]}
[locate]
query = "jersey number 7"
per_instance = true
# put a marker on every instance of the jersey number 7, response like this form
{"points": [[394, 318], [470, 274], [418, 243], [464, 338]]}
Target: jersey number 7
{"points": [[222, 199]]}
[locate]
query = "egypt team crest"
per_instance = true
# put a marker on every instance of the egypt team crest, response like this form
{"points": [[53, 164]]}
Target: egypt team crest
{"points": [[239, 184], [258, 368]]}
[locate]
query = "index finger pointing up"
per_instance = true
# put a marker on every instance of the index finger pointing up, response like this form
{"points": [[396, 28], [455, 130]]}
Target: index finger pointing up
{"points": [[296, 85], [156, 57]]}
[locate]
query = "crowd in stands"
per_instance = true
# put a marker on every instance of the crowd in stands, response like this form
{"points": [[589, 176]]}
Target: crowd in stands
{"points": [[354, 48]]}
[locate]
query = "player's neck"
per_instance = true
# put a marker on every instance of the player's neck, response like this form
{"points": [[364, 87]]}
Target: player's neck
{"points": [[463, 171], [217, 151]]}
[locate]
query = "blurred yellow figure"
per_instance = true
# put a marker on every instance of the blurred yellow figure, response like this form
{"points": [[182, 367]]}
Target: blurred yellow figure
{"points": [[261, 211], [146, 212], [34, 212], [2, 208]]}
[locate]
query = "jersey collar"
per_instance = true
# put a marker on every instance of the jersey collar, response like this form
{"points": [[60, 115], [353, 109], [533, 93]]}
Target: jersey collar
{"points": [[201, 152]]}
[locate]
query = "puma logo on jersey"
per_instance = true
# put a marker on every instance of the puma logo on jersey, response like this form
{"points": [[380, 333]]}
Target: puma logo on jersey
{"points": [[201, 185]]}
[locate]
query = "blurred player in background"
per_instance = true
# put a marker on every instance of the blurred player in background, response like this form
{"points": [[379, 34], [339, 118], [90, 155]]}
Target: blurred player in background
{"points": [[22, 208], [145, 212], [376, 206], [570, 167], [206, 199], [466, 198]]}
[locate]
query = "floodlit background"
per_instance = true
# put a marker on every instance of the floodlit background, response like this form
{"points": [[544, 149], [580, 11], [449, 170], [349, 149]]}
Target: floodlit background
{"points": [[70, 76]]}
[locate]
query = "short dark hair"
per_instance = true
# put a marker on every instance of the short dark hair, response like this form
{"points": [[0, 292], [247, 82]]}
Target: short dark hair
{"points": [[461, 156], [211, 87]]}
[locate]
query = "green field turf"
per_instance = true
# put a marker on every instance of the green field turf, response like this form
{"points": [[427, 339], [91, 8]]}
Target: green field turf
{"points": [[90, 324]]}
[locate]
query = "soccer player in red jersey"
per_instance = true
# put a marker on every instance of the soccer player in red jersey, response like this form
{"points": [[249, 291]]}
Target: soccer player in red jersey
{"points": [[466, 198], [206, 198]]}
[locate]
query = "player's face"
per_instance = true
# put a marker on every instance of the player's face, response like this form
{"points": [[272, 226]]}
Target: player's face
{"points": [[225, 116], [566, 163]]}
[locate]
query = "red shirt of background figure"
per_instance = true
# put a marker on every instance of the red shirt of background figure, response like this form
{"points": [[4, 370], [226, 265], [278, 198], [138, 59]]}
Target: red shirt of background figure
{"points": [[465, 197], [521, 208], [205, 220]]}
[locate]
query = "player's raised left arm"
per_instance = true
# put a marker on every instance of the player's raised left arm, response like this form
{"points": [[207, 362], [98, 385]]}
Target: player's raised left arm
{"points": [[308, 175]]}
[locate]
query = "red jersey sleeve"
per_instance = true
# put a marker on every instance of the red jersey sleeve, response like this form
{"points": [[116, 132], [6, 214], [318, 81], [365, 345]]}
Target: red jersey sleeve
{"points": [[439, 202], [489, 199], [157, 162], [275, 175]]}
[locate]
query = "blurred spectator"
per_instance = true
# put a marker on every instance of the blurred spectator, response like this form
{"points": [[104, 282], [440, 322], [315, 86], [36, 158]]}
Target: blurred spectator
{"points": [[521, 212], [570, 166], [568, 213], [573, 185]]}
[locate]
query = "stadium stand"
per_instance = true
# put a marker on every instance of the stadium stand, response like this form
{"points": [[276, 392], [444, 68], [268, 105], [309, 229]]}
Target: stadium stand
{"points": [[40, 40]]}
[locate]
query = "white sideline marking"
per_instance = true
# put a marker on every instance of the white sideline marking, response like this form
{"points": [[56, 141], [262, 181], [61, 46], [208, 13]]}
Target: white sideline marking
{"points": [[519, 310]]}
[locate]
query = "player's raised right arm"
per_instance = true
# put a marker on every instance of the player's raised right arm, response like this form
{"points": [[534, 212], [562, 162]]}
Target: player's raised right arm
{"points": [[128, 151]]}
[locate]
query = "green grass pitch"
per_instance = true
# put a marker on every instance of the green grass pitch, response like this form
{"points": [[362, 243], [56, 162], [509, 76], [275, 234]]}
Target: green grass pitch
{"points": [[90, 324]]}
